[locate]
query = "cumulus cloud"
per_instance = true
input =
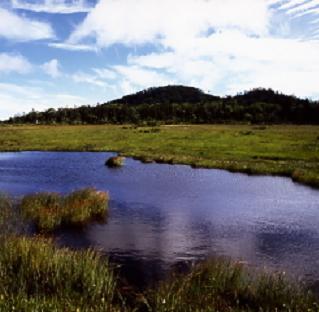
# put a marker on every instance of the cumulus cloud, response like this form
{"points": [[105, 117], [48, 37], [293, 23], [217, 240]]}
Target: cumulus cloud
{"points": [[166, 21], [19, 28], [14, 63], [53, 6]]}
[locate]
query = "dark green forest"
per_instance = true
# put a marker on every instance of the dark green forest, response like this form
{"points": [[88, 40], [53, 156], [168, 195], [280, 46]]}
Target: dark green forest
{"points": [[180, 104]]}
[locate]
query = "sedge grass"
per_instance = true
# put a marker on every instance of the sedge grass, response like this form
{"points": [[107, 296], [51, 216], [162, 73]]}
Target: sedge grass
{"points": [[50, 210], [37, 276], [222, 286]]}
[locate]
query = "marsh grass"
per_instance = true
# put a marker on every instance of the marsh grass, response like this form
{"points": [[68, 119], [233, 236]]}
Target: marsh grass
{"points": [[223, 286], [35, 275], [50, 210], [10, 218]]}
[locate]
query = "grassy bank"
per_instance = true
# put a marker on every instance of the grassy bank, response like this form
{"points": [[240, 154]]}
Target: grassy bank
{"points": [[281, 150], [51, 210]]}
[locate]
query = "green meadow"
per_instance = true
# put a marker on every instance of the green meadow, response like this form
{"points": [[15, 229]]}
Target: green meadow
{"points": [[288, 150]]}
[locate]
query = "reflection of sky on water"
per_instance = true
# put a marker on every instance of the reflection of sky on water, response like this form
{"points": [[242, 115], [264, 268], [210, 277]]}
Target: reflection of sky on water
{"points": [[161, 214]]}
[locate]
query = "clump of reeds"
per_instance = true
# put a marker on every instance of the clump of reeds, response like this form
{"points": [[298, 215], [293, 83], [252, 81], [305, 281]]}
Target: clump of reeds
{"points": [[51, 210], [35, 275], [223, 286]]}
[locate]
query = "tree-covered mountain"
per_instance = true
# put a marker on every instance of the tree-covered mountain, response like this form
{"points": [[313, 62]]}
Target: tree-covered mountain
{"points": [[180, 104]]}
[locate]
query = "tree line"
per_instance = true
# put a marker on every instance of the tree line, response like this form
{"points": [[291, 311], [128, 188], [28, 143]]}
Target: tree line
{"points": [[180, 104]]}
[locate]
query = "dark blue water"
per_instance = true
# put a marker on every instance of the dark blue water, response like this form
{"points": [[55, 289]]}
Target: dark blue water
{"points": [[161, 215]]}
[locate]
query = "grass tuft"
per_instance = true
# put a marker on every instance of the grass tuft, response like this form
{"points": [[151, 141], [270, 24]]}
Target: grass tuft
{"points": [[50, 210]]}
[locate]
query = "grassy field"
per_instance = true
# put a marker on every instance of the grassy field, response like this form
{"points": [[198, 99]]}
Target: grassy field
{"points": [[283, 150]]}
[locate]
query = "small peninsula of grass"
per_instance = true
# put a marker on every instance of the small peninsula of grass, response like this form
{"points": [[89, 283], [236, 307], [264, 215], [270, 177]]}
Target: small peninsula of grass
{"points": [[288, 150], [50, 210]]}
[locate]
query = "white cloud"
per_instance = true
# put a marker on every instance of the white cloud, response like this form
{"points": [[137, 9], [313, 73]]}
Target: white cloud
{"points": [[19, 28], [166, 21], [53, 6], [230, 61], [141, 77], [52, 68], [15, 99], [14, 63]]}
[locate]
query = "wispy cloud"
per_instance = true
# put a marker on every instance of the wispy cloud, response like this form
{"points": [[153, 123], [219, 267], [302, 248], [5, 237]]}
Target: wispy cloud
{"points": [[20, 28], [80, 77], [73, 46], [53, 6], [300, 7]]}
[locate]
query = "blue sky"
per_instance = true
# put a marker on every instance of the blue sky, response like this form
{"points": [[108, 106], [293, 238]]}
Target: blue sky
{"points": [[57, 53]]}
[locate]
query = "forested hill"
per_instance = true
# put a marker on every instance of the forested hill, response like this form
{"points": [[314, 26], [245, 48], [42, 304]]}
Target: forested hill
{"points": [[180, 104], [169, 94]]}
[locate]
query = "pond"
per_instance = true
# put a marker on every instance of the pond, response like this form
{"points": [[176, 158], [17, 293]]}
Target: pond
{"points": [[162, 216]]}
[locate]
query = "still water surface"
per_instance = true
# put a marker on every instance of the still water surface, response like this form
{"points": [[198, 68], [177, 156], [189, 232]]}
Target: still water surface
{"points": [[161, 215]]}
